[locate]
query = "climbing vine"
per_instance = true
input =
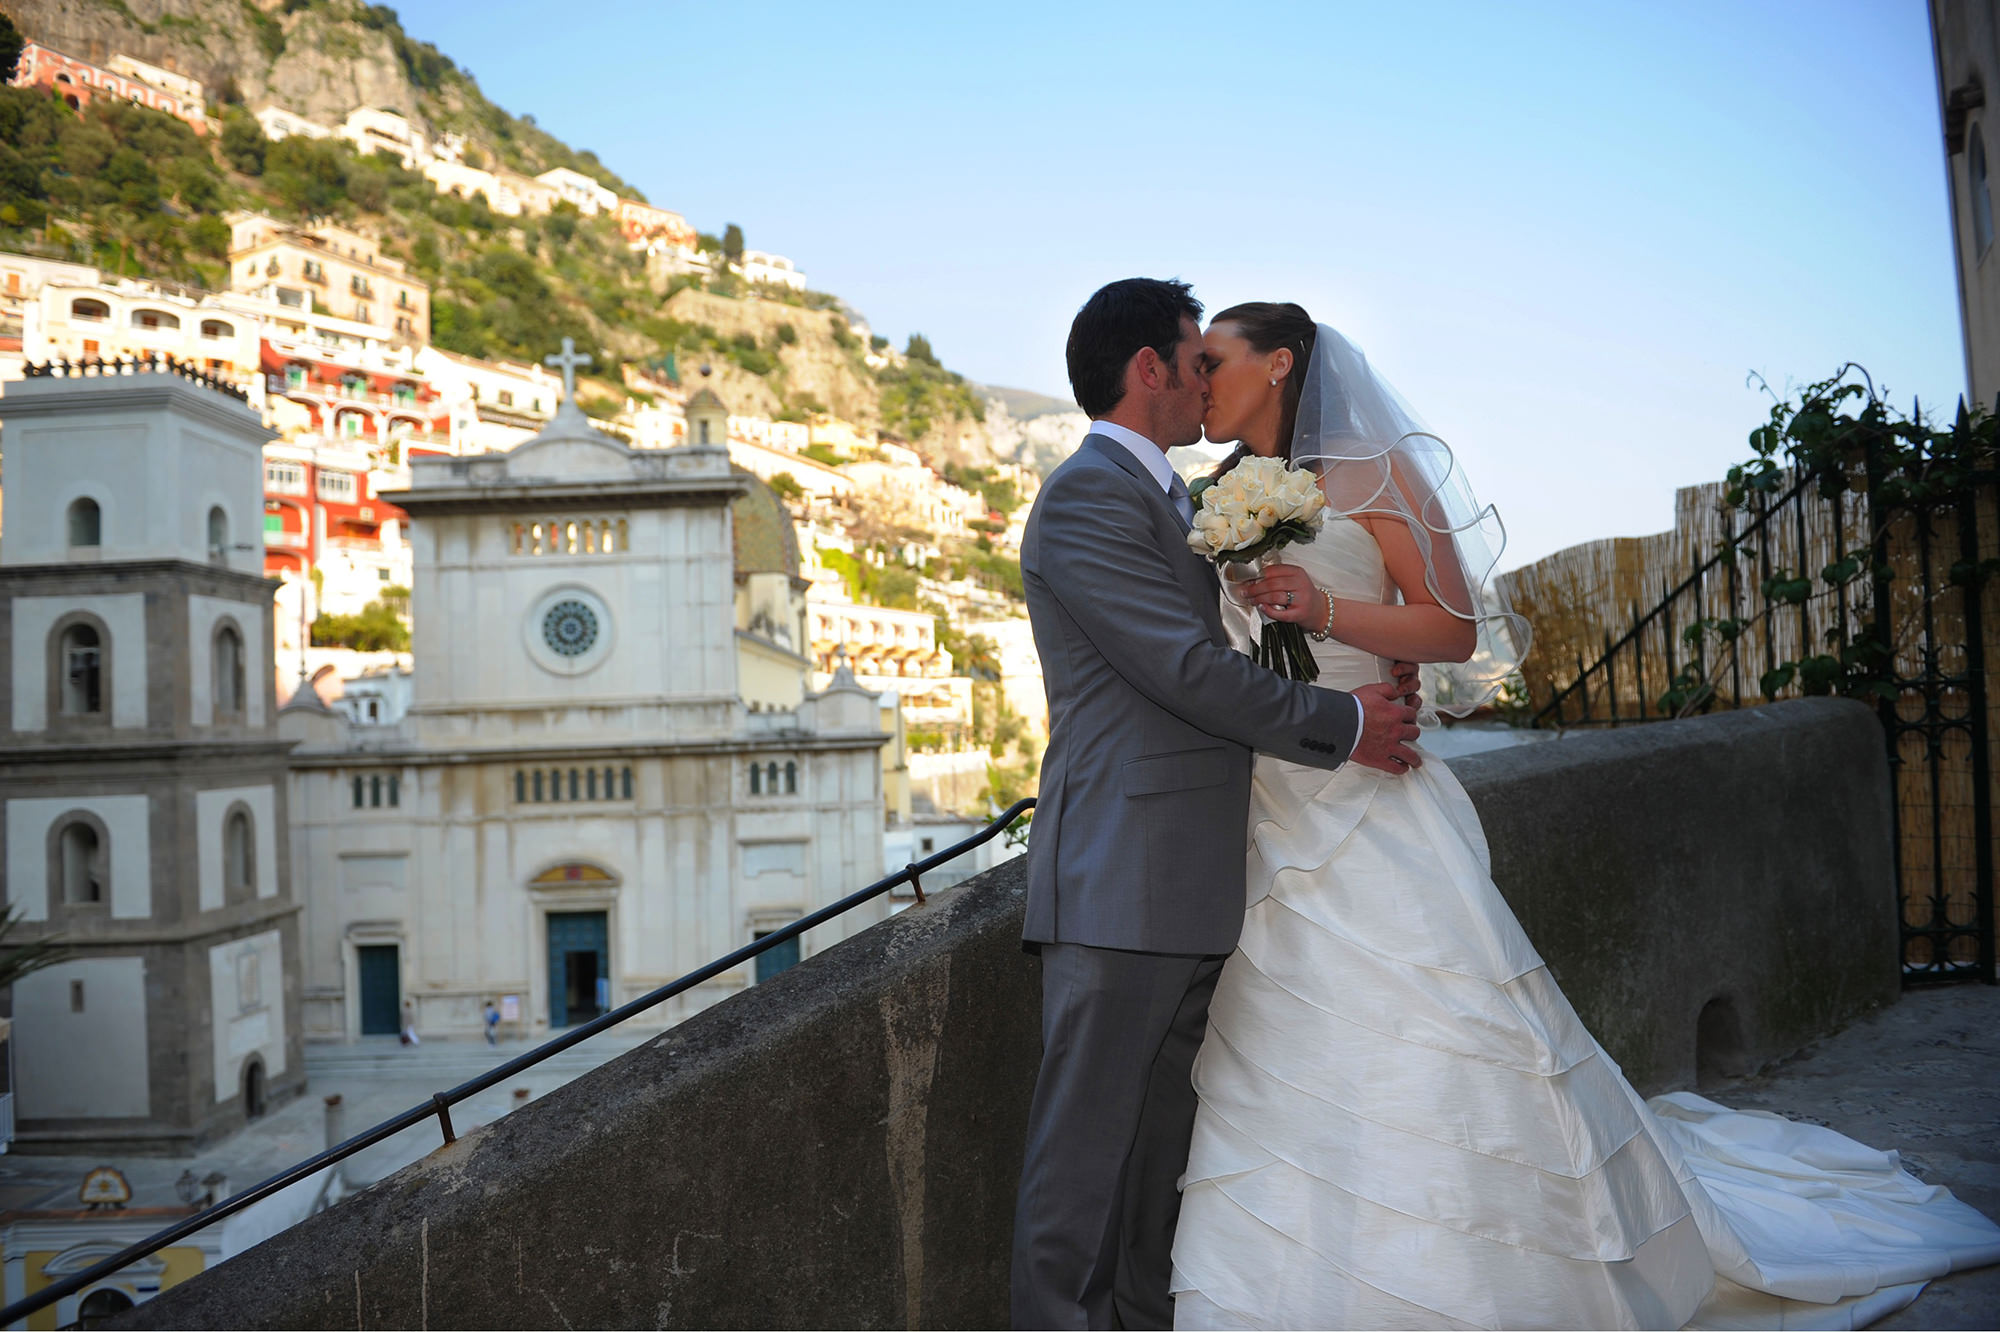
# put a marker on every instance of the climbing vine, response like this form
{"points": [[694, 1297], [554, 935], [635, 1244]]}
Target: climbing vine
{"points": [[1834, 437]]}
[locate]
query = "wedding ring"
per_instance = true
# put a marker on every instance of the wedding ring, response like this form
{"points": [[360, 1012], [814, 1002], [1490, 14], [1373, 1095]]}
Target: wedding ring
{"points": [[1288, 598]]}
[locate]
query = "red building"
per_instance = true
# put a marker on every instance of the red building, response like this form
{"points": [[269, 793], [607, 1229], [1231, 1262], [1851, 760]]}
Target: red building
{"points": [[355, 415], [78, 81]]}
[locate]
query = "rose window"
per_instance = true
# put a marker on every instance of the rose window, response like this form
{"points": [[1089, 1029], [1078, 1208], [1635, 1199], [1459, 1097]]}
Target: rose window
{"points": [[569, 628]]}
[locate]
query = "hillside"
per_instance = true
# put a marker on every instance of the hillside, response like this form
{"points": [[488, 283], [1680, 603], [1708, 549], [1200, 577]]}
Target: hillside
{"points": [[139, 193], [320, 58]]}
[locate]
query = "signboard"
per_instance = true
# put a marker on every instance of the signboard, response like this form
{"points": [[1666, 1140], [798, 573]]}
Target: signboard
{"points": [[510, 1008]]}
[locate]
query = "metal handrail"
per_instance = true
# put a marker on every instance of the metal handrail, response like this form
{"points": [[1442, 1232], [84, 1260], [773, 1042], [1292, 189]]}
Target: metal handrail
{"points": [[440, 1103]]}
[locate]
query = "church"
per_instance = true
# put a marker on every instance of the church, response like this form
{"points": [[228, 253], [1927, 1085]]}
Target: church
{"points": [[610, 771]]}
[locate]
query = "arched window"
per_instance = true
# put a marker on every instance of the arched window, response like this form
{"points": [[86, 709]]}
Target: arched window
{"points": [[217, 328], [86, 523], [520, 787], [101, 1306], [625, 782], [154, 319], [375, 791], [538, 786], [81, 660], [228, 669], [1982, 194], [395, 790], [218, 535], [359, 792], [771, 778], [555, 783], [756, 779], [88, 309], [590, 783], [81, 854], [239, 856], [791, 778], [572, 784]]}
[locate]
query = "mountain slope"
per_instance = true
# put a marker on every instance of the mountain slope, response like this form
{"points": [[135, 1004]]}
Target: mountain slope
{"points": [[136, 192], [319, 58]]}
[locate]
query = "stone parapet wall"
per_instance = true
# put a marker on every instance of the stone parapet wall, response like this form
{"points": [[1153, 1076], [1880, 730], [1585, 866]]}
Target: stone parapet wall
{"points": [[839, 1147]]}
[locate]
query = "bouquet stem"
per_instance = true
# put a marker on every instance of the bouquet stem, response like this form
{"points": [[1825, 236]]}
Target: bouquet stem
{"points": [[1283, 648]]}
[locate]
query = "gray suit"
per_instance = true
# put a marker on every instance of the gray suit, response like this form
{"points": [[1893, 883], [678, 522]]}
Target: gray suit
{"points": [[1135, 874]]}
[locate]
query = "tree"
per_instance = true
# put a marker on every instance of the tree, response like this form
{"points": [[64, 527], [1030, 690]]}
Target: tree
{"points": [[17, 960], [732, 244], [376, 629], [243, 144], [786, 486], [920, 350], [11, 45]]}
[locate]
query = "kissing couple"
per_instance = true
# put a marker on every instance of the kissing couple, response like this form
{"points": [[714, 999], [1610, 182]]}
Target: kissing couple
{"points": [[1301, 1066]]}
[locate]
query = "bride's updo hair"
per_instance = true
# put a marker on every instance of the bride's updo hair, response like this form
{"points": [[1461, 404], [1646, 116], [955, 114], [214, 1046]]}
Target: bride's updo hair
{"points": [[1268, 326]]}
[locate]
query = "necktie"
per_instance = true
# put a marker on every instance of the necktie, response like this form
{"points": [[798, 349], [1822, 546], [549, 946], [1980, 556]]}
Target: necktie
{"points": [[1177, 491]]}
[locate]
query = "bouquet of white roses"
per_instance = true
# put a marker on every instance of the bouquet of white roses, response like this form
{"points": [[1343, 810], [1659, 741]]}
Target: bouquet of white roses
{"points": [[1246, 516]]}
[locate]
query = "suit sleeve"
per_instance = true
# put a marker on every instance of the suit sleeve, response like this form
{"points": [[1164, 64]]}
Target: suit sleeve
{"points": [[1095, 556]]}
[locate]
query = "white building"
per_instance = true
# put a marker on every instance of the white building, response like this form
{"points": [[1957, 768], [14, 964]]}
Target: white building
{"points": [[494, 405], [77, 321], [454, 177], [178, 84], [372, 130], [1021, 682], [759, 266], [278, 123], [590, 197], [577, 806], [141, 774]]}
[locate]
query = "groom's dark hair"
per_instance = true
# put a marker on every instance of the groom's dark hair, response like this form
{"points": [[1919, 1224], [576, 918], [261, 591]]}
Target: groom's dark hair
{"points": [[1111, 328]]}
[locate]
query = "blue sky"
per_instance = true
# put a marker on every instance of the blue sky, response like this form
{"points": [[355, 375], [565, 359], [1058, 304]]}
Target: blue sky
{"points": [[1565, 232]]}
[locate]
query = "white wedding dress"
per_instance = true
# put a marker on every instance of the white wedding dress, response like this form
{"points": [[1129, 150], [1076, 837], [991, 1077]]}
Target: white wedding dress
{"points": [[1404, 1124]]}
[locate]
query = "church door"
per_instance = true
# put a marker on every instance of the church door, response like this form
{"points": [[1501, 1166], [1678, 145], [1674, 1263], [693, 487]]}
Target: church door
{"points": [[381, 989], [579, 967]]}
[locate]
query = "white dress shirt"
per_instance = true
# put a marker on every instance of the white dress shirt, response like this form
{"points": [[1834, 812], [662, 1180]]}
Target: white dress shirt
{"points": [[1154, 459]]}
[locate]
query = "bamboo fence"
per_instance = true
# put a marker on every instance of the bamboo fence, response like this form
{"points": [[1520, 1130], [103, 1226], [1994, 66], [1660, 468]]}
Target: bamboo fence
{"points": [[1616, 614]]}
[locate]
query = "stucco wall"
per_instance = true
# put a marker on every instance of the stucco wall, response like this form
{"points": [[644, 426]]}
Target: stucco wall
{"points": [[839, 1147]]}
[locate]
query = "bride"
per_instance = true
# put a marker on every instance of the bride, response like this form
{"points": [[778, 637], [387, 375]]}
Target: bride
{"points": [[1402, 1121]]}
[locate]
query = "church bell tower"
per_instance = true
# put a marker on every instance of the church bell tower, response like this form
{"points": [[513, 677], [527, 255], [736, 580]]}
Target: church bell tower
{"points": [[141, 774]]}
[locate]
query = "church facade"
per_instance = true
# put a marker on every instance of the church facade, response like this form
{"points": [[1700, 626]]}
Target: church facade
{"points": [[579, 804], [141, 773]]}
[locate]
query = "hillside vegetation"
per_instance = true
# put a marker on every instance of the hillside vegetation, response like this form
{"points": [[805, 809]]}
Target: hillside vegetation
{"points": [[139, 193]]}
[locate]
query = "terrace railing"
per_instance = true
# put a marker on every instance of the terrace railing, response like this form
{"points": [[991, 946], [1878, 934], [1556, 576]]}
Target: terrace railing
{"points": [[440, 1104]]}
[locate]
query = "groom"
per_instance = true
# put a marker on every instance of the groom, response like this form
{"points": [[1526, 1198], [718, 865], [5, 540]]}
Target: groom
{"points": [[1135, 869]]}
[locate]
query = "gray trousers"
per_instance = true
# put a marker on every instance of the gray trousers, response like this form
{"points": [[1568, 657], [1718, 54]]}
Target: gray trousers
{"points": [[1108, 1136]]}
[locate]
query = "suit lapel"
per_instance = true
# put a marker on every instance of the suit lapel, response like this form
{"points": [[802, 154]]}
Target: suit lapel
{"points": [[1195, 573]]}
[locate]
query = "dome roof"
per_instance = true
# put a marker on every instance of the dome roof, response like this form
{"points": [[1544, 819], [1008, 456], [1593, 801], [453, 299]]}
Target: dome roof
{"points": [[764, 538]]}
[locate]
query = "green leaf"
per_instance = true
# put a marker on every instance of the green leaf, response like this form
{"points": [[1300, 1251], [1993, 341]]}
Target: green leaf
{"points": [[1776, 679]]}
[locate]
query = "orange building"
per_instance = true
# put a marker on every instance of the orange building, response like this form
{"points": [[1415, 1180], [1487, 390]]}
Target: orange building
{"points": [[342, 272], [639, 221]]}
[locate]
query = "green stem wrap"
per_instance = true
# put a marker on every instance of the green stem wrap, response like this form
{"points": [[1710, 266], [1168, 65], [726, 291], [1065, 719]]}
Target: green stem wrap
{"points": [[1284, 649]]}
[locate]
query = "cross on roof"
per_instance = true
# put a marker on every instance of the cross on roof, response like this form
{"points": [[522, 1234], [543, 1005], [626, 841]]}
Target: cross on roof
{"points": [[569, 362]]}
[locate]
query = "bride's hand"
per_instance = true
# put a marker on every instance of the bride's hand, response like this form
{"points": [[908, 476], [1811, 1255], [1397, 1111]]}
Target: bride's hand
{"points": [[1284, 592]]}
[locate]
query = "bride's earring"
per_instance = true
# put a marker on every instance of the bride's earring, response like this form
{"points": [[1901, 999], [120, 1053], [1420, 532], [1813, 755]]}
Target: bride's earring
{"points": [[1274, 383]]}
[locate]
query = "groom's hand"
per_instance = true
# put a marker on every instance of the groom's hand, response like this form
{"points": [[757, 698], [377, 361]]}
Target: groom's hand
{"points": [[1405, 675], [1388, 728]]}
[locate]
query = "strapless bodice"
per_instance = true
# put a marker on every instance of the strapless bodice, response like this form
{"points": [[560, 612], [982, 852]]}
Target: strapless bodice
{"points": [[1344, 560]]}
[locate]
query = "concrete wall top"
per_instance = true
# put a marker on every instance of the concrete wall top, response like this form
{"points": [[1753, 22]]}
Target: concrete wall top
{"points": [[840, 1146]]}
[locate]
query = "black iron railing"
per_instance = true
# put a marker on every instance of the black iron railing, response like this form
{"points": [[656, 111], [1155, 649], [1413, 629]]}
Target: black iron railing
{"points": [[439, 1106], [1747, 621]]}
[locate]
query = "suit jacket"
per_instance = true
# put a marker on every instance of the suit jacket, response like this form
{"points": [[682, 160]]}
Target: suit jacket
{"points": [[1139, 830]]}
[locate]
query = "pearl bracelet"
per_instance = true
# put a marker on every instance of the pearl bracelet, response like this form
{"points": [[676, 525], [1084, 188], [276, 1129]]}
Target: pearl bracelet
{"points": [[1325, 631]]}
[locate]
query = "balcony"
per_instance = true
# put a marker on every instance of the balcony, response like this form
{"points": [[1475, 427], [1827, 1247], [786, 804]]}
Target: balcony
{"points": [[284, 540]]}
